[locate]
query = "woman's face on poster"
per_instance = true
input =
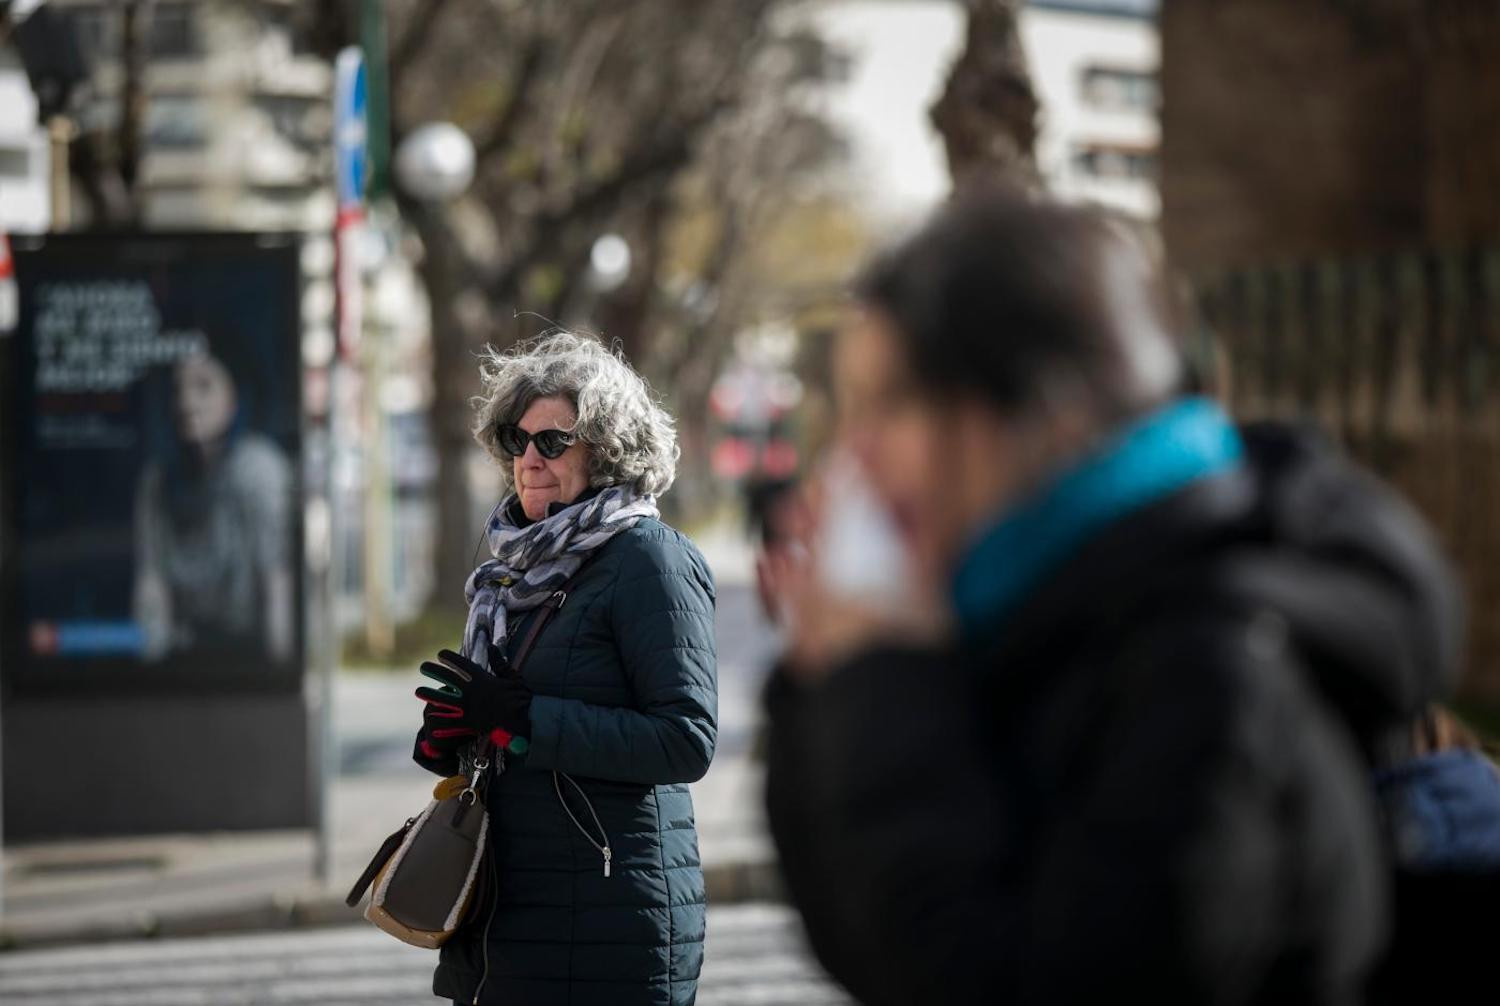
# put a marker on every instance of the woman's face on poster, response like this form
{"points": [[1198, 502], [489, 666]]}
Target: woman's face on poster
{"points": [[206, 399]]}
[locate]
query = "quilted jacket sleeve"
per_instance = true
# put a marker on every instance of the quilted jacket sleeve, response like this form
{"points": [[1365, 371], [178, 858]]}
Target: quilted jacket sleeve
{"points": [[662, 617]]}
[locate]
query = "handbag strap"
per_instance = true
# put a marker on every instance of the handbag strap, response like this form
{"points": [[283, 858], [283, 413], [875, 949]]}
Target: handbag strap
{"points": [[544, 615], [555, 600], [385, 852]]}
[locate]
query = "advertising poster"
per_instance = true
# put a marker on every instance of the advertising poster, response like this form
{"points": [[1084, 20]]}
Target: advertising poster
{"points": [[152, 436]]}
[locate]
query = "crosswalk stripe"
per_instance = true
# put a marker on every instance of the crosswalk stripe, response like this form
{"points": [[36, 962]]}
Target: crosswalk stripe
{"points": [[755, 956]]}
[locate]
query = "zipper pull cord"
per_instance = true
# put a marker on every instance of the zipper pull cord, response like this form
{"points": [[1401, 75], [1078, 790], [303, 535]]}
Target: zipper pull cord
{"points": [[604, 849]]}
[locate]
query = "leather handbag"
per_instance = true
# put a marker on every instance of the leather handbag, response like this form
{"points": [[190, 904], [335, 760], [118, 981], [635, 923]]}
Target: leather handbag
{"points": [[425, 874]]}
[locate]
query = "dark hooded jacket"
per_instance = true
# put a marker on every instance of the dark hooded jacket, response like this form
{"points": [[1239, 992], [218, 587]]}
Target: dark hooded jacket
{"points": [[1149, 780]]}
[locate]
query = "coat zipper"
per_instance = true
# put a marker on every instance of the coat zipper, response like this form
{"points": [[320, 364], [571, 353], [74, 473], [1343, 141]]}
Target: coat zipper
{"points": [[603, 844], [485, 945], [559, 596]]}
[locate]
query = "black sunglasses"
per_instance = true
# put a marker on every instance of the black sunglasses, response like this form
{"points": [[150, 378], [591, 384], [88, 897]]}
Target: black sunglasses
{"points": [[550, 444]]}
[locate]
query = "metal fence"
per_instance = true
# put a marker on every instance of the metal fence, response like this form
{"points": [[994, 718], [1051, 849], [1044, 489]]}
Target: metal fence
{"points": [[1398, 356]]}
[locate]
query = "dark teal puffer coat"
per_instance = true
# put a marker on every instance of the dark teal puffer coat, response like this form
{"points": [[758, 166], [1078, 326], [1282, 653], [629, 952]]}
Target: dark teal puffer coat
{"points": [[627, 706]]}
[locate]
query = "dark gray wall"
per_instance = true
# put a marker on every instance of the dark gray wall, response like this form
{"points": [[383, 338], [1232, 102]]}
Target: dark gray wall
{"points": [[116, 765]]}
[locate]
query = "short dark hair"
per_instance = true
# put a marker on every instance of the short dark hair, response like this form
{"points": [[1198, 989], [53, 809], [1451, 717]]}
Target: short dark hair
{"points": [[1011, 296]]}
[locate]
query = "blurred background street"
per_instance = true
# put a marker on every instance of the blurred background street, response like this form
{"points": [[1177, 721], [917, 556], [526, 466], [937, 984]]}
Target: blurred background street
{"points": [[324, 211], [125, 886]]}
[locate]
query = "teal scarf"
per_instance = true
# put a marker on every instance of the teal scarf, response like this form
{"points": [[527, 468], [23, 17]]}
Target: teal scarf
{"points": [[1187, 440]]}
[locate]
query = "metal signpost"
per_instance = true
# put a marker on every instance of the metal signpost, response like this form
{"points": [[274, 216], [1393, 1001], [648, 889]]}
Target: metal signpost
{"points": [[351, 163], [8, 308]]}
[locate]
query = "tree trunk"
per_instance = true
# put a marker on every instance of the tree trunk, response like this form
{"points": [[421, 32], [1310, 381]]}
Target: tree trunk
{"points": [[624, 314], [136, 38], [987, 112], [455, 374]]}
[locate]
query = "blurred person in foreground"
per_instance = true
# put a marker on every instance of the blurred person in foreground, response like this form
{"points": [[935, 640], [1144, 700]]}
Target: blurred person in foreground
{"points": [[596, 895], [1112, 732]]}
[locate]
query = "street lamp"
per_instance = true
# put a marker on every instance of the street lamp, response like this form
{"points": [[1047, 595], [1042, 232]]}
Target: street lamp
{"points": [[609, 262], [435, 162]]}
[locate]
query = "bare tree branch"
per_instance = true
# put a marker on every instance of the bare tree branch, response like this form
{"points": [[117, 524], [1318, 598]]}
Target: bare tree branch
{"points": [[500, 134], [326, 26], [414, 38], [135, 38], [668, 151], [584, 117]]}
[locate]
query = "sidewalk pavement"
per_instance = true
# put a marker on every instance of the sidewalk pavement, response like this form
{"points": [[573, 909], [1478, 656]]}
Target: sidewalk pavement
{"points": [[173, 885]]}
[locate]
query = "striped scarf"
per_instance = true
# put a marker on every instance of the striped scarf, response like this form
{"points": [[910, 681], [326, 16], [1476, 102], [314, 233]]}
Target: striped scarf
{"points": [[532, 561]]}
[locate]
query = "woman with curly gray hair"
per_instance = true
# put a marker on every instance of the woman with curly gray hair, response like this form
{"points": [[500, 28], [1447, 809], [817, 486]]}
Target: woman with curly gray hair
{"points": [[595, 893]]}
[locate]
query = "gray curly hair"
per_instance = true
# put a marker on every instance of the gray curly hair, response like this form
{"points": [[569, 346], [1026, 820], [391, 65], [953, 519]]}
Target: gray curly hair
{"points": [[630, 437]]}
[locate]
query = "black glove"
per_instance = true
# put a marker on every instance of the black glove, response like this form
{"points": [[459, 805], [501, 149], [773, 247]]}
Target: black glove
{"points": [[438, 755], [474, 701]]}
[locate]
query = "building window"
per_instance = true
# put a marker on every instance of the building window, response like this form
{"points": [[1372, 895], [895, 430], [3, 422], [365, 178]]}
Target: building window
{"points": [[1117, 87], [176, 122], [15, 162], [1108, 160], [98, 32], [304, 121], [100, 28], [172, 35]]}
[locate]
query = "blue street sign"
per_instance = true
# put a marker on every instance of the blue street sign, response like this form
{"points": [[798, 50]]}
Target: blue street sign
{"points": [[351, 162]]}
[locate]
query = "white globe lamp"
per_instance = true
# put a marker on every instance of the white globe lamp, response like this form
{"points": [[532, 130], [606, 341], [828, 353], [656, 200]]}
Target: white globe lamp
{"points": [[435, 162], [609, 262]]}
